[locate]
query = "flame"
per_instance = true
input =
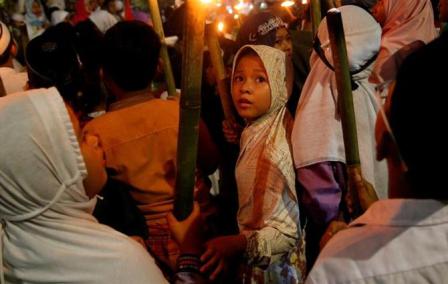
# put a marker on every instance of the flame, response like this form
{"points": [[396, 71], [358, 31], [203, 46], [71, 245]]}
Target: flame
{"points": [[288, 3], [239, 6], [220, 27]]}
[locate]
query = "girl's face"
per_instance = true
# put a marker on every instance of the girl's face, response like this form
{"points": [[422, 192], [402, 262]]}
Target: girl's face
{"points": [[251, 92], [283, 41], [379, 12], [93, 155]]}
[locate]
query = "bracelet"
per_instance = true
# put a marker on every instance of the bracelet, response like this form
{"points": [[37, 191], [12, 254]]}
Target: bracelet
{"points": [[188, 263]]}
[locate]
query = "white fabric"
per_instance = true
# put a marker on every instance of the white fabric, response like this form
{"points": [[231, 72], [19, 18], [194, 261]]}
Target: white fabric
{"points": [[13, 81], [317, 132], [49, 234], [58, 16], [103, 20], [406, 21], [395, 241], [268, 211]]}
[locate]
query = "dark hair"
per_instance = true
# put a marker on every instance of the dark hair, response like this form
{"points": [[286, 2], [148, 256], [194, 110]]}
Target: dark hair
{"points": [[52, 60], [131, 53], [418, 118]]}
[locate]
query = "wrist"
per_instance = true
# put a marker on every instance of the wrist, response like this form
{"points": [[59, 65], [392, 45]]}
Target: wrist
{"points": [[188, 263]]}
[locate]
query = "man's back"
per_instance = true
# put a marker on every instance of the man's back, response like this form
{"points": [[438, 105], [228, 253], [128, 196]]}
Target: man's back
{"points": [[140, 144], [395, 241]]}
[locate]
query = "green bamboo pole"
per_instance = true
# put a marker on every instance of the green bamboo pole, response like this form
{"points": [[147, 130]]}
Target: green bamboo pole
{"points": [[360, 194], [190, 107], [221, 74], [343, 81], [157, 23], [316, 15]]}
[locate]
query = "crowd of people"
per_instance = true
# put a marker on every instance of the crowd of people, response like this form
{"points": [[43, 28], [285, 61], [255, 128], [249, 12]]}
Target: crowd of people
{"points": [[89, 139]]}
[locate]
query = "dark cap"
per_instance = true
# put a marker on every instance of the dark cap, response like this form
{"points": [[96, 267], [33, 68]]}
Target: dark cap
{"points": [[260, 29], [52, 60]]}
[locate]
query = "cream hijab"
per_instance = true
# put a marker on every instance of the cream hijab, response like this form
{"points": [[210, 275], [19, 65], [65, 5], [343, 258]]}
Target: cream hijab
{"points": [[48, 234], [317, 132], [265, 172], [406, 21]]}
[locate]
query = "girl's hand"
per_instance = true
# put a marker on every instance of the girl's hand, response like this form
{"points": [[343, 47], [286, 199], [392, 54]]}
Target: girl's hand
{"points": [[219, 251], [232, 131]]}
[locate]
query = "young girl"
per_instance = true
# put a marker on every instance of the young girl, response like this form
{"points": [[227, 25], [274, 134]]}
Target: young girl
{"points": [[268, 216]]}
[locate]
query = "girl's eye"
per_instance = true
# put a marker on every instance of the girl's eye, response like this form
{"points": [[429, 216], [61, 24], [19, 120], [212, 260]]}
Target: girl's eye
{"points": [[261, 79], [238, 78]]}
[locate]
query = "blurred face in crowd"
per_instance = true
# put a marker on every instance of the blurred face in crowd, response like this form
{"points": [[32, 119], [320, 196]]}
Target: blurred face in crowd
{"points": [[251, 92], [283, 41], [91, 5], [93, 155], [36, 9], [379, 12]]}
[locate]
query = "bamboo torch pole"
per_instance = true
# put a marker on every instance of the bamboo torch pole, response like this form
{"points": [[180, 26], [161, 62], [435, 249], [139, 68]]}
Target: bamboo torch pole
{"points": [[157, 22], [190, 107], [221, 75], [360, 194], [316, 15]]}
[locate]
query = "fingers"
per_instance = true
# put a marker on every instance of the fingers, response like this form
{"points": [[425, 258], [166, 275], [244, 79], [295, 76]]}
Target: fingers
{"points": [[207, 254], [218, 270]]}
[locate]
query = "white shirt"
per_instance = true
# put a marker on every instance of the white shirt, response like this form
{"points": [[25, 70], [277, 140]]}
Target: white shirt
{"points": [[395, 241]]}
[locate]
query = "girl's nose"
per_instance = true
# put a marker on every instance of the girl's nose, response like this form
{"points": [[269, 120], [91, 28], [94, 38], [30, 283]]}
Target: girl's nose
{"points": [[246, 87]]}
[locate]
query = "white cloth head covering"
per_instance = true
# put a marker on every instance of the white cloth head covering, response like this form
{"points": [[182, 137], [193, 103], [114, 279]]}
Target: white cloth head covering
{"points": [[58, 16], [5, 38], [34, 23], [264, 171], [406, 21], [103, 20], [48, 234], [317, 132]]}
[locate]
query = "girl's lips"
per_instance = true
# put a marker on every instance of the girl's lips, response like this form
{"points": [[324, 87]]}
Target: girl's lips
{"points": [[244, 103]]}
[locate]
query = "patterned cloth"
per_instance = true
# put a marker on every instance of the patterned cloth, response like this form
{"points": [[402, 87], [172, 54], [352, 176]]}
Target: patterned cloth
{"points": [[268, 212]]}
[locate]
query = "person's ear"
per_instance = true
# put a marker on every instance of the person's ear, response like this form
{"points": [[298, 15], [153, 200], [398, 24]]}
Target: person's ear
{"points": [[14, 49]]}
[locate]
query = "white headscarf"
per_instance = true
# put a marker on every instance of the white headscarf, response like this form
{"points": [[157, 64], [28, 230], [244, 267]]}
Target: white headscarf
{"points": [[103, 20], [265, 172], [58, 16], [48, 233], [406, 21], [317, 132]]}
